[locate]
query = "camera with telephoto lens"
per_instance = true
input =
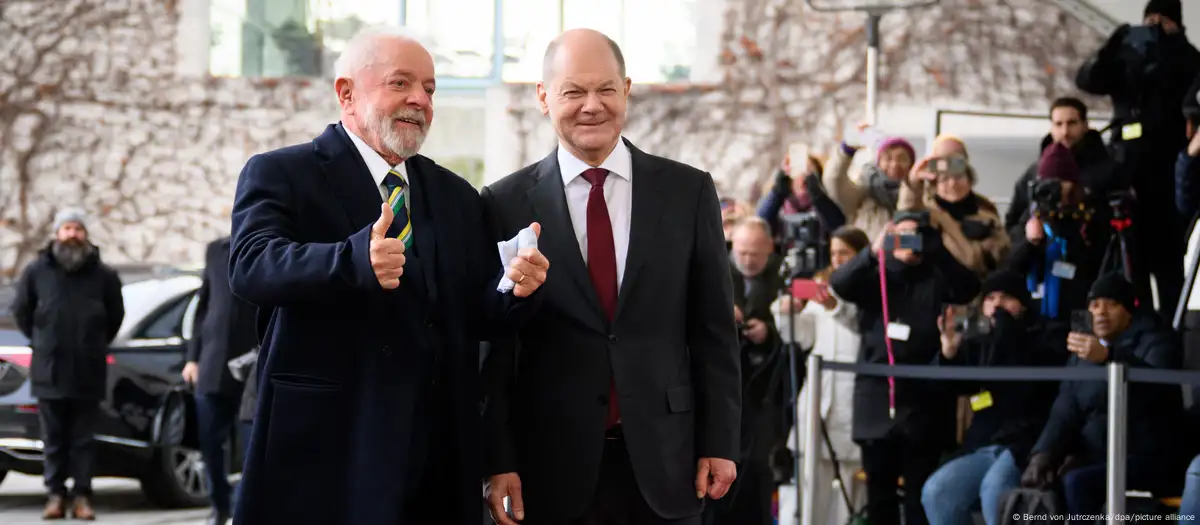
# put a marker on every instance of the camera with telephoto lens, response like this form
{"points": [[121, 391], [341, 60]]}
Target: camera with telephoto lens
{"points": [[807, 251], [1045, 195], [1141, 51]]}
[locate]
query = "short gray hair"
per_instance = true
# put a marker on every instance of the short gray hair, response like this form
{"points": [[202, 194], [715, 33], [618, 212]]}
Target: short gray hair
{"points": [[754, 222], [360, 50], [552, 52]]}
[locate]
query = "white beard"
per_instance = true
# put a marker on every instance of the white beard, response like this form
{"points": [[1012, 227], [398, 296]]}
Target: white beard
{"points": [[404, 144]]}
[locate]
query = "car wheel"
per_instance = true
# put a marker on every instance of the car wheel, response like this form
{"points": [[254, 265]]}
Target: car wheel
{"points": [[176, 475]]}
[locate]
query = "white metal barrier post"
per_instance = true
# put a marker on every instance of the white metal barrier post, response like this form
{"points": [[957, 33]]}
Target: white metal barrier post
{"points": [[1118, 390], [811, 448]]}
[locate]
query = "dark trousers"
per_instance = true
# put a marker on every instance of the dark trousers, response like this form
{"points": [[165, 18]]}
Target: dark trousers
{"points": [[885, 461], [68, 435], [618, 500], [215, 415], [1084, 488], [749, 499]]}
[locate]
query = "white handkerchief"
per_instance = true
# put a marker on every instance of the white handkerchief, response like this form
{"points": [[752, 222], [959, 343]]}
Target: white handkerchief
{"points": [[508, 249]]}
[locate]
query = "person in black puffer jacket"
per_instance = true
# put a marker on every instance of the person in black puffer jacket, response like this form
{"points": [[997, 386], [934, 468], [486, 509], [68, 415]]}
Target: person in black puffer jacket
{"points": [[909, 442], [69, 306], [1008, 415], [1073, 445]]}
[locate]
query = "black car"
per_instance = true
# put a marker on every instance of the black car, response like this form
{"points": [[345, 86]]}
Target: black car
{"points": [[148, 426]]}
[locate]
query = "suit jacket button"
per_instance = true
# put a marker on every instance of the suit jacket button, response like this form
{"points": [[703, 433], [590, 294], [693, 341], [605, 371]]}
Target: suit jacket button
{"points": [[386, 350], [612, 339]]}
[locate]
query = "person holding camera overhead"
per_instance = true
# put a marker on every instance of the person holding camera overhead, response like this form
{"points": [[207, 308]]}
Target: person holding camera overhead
{"points": [[1064, 240], [869, 203], [1146, 71], [1007, 415], [1073, 446], [969, 222], [902, 426]]}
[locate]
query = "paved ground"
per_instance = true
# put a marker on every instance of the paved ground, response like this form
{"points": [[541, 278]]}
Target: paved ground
{"points": [[117, 501]]}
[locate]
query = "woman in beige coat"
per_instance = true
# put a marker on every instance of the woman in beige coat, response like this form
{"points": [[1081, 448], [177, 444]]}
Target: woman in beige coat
{"points": [[971, 227], [870, 201]]}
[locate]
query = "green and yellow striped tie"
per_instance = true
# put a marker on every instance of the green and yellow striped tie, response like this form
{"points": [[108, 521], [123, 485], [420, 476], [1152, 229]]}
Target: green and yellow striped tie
{"points": [[402, 223]]}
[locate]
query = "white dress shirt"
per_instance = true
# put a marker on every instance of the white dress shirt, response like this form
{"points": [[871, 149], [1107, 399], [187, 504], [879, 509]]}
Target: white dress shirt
{"points": [[375, 164], [618, 195]]}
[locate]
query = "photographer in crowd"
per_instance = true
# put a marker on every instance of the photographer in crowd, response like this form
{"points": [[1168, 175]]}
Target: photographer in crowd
{"points": [[969, 222], [1146, 70], [869, 202], [756, 284], [1187, 165], [1064, 240], [1097, 173], [903, 426], [1072, 447], [795, 191], [1007, 415], [829, 326]]}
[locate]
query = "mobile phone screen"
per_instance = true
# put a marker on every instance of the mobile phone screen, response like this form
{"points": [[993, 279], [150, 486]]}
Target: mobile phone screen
{"points": [[1081, 321]]}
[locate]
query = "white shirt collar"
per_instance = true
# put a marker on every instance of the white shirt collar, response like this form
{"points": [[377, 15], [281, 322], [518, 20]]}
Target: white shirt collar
{"points": [[618, 163], [375, 164]]}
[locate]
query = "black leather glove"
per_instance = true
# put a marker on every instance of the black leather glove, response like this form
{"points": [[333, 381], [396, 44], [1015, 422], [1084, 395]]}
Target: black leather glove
{"points": [[976, 230], [783, 183], [1040, 472]]}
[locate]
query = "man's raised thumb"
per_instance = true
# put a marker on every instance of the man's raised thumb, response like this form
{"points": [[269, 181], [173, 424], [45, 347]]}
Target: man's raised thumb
{"points": [[381, 226], [537, 229]]}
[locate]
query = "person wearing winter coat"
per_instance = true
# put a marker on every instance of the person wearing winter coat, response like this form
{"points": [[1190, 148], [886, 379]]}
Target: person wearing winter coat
{"points": [[1072, 447], [828, 325], [69, 306], [1098, 174], [1007, 416], [969, 222], [903, 426], [869, 202], [1061, 249]]}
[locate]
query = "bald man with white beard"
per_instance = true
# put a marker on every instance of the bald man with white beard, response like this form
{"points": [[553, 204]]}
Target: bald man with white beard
{"points": [[376, 276]]}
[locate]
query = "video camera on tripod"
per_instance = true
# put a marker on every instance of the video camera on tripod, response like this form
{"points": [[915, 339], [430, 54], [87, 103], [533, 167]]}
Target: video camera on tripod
{"points": [[806, 248]]}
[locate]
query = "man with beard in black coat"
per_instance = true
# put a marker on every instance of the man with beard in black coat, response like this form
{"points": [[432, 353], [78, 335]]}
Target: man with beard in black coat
{"points": [[69, 306], [905, 426], [1097, 172]]}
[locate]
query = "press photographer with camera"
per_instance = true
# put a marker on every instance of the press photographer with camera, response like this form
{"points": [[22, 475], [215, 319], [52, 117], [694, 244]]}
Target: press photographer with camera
{"points": [[798, 190], [1146, 71], [902, 425], [870, 201], [1064, 241], [1072, 447], [1097, 172], [1007, 416], [1187, 165], [829, 326], [969, 222], [765, 387]]}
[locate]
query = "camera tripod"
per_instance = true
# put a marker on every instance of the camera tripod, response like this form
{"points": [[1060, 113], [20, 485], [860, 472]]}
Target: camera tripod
{"points": [[1118, 246]]}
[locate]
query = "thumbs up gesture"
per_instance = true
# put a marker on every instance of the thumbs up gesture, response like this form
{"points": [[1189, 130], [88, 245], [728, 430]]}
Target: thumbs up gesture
{"points": [[387, 254], [528, 269]]}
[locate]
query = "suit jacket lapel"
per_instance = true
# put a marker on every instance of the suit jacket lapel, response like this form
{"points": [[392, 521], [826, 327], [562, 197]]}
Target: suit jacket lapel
{"points": [[558, 240], [424, 211], [648, 199], [348, 177]]}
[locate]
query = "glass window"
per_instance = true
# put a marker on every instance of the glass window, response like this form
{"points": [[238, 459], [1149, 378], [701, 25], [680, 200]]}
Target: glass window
{"points": [[657, 38], [276, 38], [166, 322], [459, 34]]}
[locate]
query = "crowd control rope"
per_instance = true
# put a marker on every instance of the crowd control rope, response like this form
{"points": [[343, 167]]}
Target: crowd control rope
{"points": [[1013, 373], [887, 339]]}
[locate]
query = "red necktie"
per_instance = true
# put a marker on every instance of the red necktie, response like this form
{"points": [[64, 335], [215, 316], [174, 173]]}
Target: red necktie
{"points": [[602, 262]]}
